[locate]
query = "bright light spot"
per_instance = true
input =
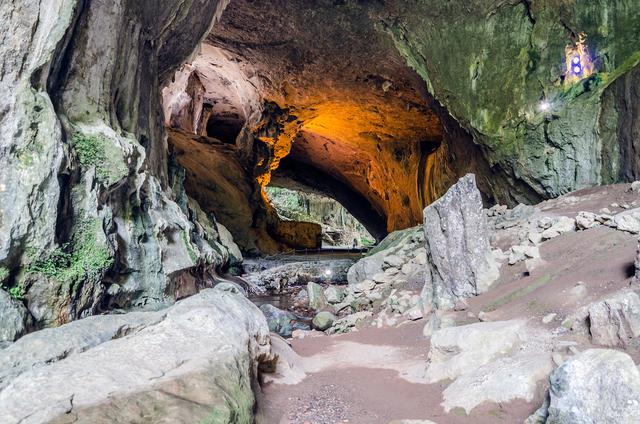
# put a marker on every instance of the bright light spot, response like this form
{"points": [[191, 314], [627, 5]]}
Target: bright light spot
{"points": [[576, 60], [577, 69], [544, 106], [328, 272]]}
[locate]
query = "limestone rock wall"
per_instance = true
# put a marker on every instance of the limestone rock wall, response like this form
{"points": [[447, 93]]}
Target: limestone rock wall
{"points": [[507, 85], [92, 215]]}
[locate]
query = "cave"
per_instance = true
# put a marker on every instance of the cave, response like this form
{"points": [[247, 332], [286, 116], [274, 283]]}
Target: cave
{"points": [[319, 211]]}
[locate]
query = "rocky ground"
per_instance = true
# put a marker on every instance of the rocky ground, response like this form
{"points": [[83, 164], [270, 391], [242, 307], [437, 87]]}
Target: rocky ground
{"points": [[541, 324], [562, 317]]}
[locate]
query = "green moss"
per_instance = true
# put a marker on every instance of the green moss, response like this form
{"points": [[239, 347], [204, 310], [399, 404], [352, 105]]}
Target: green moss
{"points": [[4, 274], [187, 243], [103, 154], [83, 258], [545, 279]]}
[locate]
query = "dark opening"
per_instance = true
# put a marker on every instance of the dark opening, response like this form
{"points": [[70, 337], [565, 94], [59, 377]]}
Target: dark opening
{"points": [[225, 127]]}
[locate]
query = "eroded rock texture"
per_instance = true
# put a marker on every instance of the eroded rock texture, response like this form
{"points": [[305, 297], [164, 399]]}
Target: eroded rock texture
{"points": [[92, 214], [499, 68], [317, 98], [185, 364]]}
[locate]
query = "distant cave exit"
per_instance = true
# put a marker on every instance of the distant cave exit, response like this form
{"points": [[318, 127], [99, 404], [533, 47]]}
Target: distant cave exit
{"points": [[340, 229]]}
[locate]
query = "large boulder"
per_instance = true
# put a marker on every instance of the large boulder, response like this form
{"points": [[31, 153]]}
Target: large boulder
{"points": [[13, 318], [596, 386], [460, 262], [458, 350], [500, 381], [193, 362], [615, 321]]}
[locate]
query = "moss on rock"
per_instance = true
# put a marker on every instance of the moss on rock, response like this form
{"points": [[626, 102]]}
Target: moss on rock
{"points": [[101, 153]]}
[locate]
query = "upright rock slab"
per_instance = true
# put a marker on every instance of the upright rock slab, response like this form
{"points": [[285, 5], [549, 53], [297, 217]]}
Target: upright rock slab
{"points": [[459, 259]]}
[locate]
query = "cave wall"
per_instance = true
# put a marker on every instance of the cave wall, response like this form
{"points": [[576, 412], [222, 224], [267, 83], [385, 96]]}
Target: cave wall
{"points": [[509, 57], [92, 214]]}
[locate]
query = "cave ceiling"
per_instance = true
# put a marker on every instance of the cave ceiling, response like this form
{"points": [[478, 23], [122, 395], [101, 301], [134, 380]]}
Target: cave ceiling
{"points": [[325, 92]]}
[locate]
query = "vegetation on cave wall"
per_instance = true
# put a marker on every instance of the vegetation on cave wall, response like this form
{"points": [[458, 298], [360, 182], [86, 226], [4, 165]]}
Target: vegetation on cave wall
{"points": [[510, 57]]}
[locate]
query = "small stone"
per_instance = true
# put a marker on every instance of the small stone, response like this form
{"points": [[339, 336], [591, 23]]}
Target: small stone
{"points": [[605, 211], [334, 294], [323, 320], [614, 205], [586, 220], [548, 318], [635, 186], [483, 316], [579, 290], [414, 313]]}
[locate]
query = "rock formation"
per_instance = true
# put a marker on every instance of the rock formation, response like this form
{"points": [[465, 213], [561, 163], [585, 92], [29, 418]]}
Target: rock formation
{"points": [[188, 363], [460, 263]]}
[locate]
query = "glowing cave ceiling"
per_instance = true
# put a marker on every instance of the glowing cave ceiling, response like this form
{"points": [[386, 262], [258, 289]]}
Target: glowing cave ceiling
{"points": [[311, 98]]}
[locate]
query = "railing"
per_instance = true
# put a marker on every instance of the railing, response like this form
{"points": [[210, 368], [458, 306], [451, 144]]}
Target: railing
{"points": [[307, 252]]}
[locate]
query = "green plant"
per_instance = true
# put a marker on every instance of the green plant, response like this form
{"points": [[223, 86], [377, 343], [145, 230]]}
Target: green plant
{"points": [[17, 292], [192, 253], [101, 153], [82, 258]]}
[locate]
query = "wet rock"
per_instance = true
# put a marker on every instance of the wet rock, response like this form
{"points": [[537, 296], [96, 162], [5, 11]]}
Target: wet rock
{"points": [[301, 299], [13, 318], [595, 386], [281, 322], [460, 262], [500, 381], [192, 351], [317, 299], [458, 350], [616, 321], [323, 320]]}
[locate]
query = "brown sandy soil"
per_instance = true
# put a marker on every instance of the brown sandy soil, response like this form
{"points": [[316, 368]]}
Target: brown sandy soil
{"points": [[373, 376]]}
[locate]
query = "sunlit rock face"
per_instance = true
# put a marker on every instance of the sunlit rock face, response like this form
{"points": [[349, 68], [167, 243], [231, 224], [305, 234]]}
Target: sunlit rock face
{"points": [[339, 111]]}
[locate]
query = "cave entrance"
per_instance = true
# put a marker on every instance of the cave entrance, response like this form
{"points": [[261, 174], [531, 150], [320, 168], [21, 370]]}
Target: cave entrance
{"points": [[340, 229]]}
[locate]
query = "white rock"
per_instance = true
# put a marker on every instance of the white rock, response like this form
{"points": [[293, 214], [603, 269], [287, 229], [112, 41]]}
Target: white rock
{"points": [[586, 220], [500, 381], [457, 350], [548, 318], [615, 321], [596, 386], [628, 221], [635, 186]]}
